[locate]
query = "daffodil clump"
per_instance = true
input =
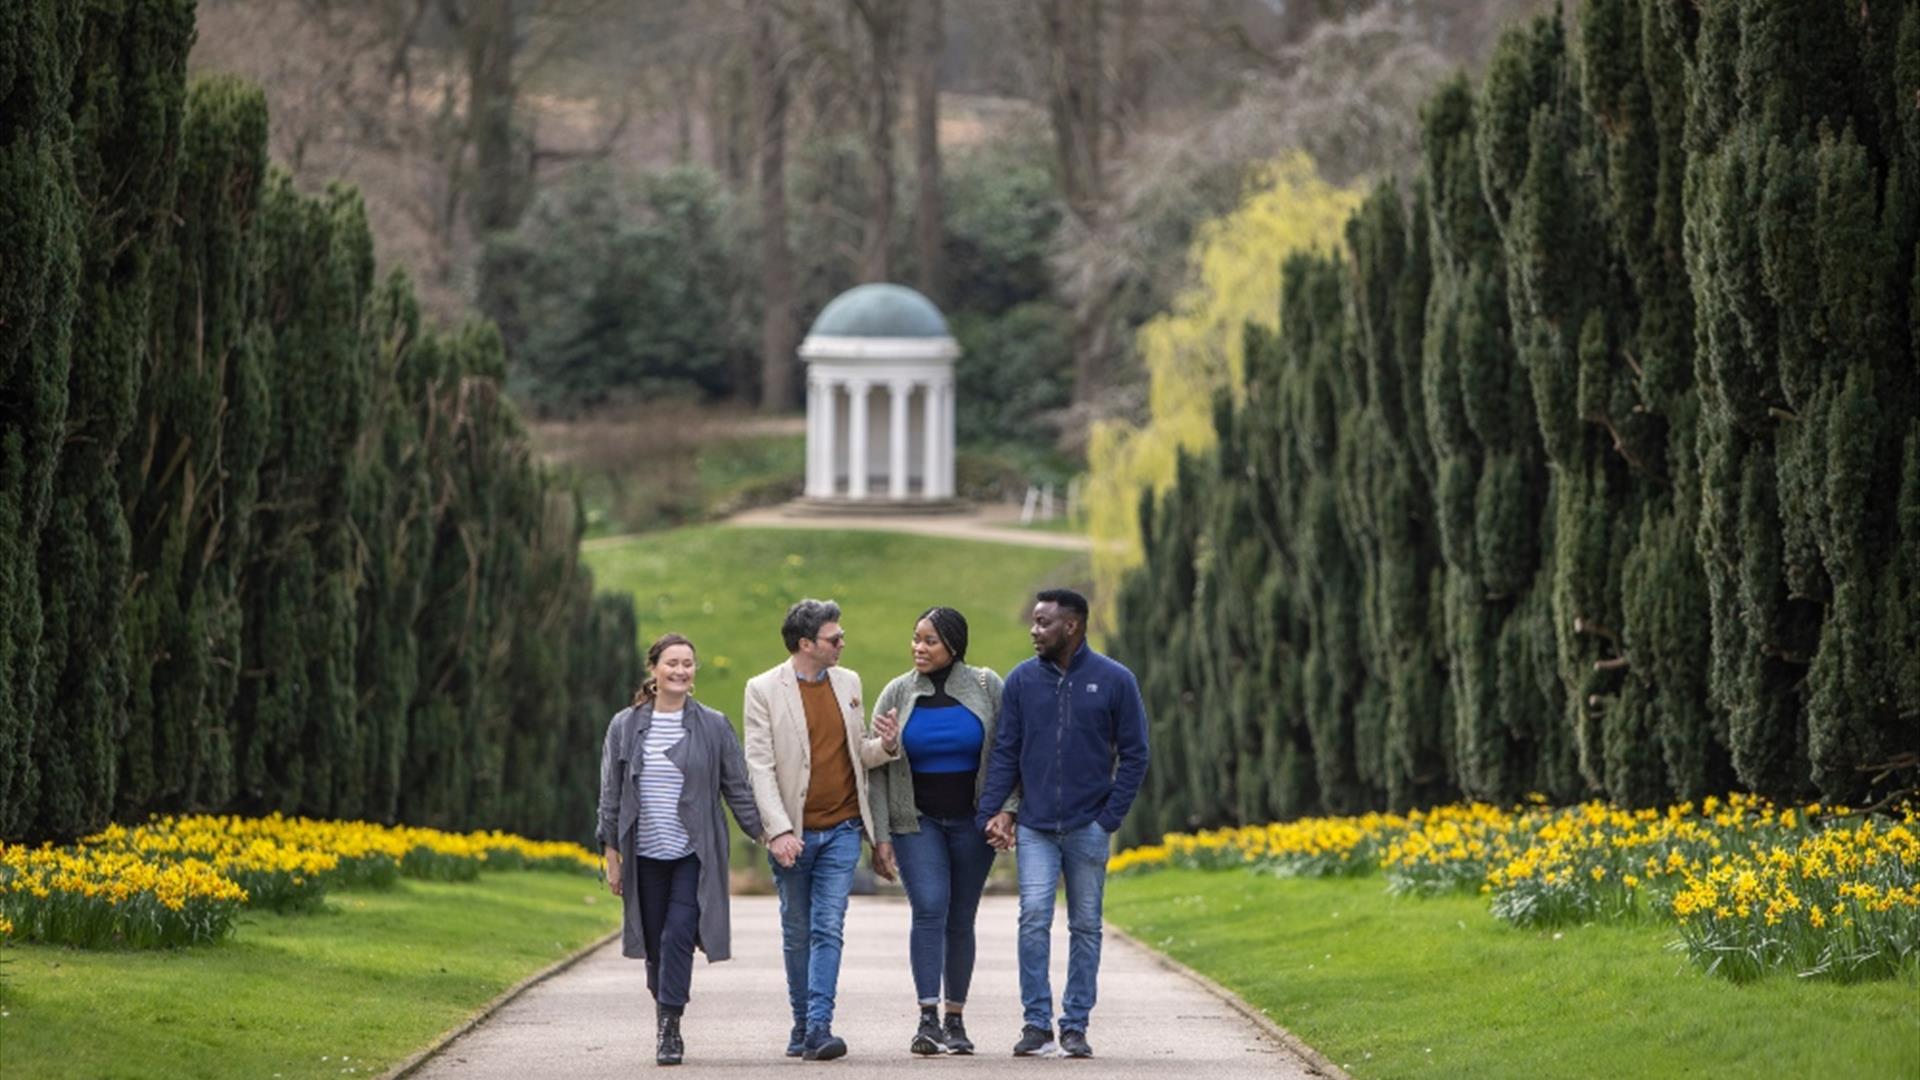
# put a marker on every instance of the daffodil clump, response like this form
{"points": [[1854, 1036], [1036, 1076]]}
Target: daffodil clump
{"points": [[1752, 888], [184, 880]]}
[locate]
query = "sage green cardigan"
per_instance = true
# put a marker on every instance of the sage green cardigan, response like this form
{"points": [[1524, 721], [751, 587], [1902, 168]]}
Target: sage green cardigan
{"points": [[890, 786]]}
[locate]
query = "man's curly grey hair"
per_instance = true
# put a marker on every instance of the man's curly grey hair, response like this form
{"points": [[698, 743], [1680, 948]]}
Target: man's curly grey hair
{"points": [[804, 620]]}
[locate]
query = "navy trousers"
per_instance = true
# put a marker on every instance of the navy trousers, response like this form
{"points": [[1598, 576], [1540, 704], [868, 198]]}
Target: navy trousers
{"points": [[669, 924]]}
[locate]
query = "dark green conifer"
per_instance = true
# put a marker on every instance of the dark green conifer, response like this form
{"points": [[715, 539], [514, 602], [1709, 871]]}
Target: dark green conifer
{"points": [[40, 221], [126, 101]]}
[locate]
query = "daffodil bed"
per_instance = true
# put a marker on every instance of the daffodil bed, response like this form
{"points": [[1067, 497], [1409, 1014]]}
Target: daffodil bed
{"points": [[1822, 892], [184, 880]]}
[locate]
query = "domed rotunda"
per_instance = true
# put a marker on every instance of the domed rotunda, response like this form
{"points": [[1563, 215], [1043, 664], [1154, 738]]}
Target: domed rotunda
{"points": [[879, 402]]}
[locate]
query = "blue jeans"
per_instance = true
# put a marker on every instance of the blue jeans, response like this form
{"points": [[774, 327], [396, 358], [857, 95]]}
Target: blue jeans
{"points": [[944, 867], [1080, 855], [813, 912]]}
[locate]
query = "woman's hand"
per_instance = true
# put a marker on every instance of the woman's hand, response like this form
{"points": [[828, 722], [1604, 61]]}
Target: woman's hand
{"points": [[883, 862], [785, 849], [887, 726], [1000, 835], [613, 871]]}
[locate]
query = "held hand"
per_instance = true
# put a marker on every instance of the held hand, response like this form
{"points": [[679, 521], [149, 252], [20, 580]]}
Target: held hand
{"points": [[883, 862], [887, 726], [613, 871], [786, 849], [1000, 831]]}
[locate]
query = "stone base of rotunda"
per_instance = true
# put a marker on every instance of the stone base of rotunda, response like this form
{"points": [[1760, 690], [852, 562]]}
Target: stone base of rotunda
{"points": [[840, 505]]}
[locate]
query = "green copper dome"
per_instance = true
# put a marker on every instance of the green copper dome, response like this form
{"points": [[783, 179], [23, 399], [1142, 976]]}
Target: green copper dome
{"points": [[883, 311]]}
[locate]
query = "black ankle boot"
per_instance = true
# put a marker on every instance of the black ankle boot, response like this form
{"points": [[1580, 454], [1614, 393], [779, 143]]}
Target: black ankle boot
{"points": [[671, 1049]]}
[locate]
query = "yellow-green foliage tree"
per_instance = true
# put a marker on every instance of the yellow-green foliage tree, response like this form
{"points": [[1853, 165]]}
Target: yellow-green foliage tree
{"points": [[1196, 350]]}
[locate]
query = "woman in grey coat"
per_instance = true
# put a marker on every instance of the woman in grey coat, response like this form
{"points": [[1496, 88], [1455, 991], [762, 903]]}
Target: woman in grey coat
{"points": [[942, 715], [667, 763]]}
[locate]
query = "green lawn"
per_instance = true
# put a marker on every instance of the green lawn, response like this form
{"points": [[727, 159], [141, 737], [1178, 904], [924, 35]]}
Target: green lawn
{"points": [[361, 985], [728, 588], [1408, 987]]}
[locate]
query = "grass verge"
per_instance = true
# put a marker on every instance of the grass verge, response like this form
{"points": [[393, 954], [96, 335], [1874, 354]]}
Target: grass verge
{"points": [[1436, 987], [349, 990]]}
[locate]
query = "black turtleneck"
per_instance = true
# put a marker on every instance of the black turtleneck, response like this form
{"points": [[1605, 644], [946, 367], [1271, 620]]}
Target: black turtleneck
{"points": [[939, 696]]}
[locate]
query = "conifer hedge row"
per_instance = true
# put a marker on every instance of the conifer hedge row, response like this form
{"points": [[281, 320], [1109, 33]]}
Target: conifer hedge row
{"points": [[1592, 465], [266, 542]]}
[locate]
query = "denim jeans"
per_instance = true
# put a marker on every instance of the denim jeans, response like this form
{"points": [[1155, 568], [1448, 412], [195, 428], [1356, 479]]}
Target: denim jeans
{"points": [[813, 912], [943, 867], [1044, 857]]}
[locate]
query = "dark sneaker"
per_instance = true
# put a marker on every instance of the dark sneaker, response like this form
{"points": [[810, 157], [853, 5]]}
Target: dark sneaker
{"points": [[670, 1049], [824, 1045], [929, 1039], [1034, 1042], [797, 1040], [1074, 1043], [955, 1036]]}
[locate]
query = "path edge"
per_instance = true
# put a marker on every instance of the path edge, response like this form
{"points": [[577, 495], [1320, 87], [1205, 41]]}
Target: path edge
{"points": [[480, 1016], [1314, 1059]]}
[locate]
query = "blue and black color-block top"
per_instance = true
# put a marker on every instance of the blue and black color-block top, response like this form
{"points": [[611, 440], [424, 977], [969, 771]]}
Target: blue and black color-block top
{"points": [[942, 743]]}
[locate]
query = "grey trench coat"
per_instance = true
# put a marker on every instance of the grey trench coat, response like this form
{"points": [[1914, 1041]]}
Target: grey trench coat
{"points": [[710, 760]]}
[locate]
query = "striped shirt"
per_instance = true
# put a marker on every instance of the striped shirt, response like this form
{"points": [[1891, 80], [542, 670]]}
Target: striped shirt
{"points": [[659, 833]]}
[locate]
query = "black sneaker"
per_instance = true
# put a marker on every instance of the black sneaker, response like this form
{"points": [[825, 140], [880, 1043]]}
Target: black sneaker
{"points": [[824, 1045], [1034, 1042], [929, 1039], [1074, 1043], [797, 1040], [955, 1036], [670, 1049]]}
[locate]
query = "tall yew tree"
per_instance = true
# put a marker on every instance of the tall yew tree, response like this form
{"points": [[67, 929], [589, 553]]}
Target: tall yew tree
{"points": [[39, 292], [189, 466], [1801, 232], [126, 101]]}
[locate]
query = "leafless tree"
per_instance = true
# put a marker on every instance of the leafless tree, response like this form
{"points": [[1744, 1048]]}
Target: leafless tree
{"points": [[928, 24], [884, 22], [776, 259]]}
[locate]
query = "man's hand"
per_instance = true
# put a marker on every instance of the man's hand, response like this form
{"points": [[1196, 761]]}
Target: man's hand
{"points": [[786, 849], [883, 862], [613, 871], [887, 726], [1000, 831]]}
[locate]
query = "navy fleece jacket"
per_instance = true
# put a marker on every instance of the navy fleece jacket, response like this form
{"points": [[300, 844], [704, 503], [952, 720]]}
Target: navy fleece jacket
{"points": [[1075, 742]]}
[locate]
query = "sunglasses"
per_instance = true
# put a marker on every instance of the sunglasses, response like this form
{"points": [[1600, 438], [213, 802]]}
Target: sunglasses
{"points": [[836, 640]]}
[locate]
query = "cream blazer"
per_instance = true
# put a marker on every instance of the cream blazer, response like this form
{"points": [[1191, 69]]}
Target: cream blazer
{"points": [[780, 755]]}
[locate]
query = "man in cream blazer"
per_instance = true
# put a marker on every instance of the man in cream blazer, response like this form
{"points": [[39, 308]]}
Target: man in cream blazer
{"points": [[808, 752]]}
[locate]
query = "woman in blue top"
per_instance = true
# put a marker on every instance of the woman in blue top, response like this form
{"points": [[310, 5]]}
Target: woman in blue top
{"points": [[924, 803]]}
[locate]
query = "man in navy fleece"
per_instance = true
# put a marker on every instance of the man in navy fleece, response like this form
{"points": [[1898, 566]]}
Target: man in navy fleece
{"points": [[1073, 736]]}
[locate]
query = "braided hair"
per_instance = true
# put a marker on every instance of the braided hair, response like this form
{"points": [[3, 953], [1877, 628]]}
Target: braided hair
{"points": [[952, 628]]}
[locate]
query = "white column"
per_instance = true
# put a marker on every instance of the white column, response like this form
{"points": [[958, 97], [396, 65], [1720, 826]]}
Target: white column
{"points": [[814, 439], [946, 437], [857, 439], [930, 436], [829, 436], [897, 438]]}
